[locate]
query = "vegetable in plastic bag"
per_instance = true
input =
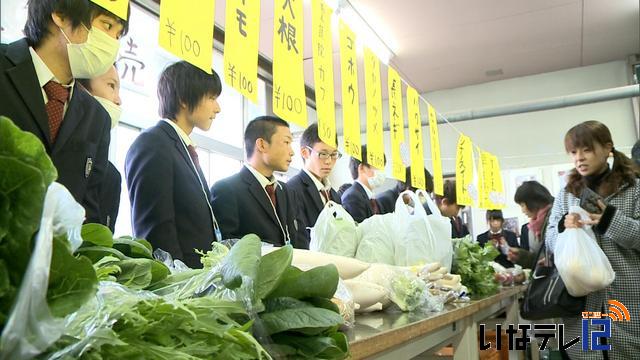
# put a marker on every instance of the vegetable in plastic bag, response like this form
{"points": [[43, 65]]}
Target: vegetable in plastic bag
{"points": [[377, 239], [580, 261], [335, 232]]}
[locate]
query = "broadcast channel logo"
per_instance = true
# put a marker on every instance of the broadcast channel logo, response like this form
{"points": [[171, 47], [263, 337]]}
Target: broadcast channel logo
{"points": [[616, 312]]}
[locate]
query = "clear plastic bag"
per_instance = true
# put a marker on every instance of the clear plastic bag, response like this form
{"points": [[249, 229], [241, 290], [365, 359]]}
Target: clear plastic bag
{"points": [[581, 263], [377, 240], [441, 229], [31, 328], [347, 306], [335, 232]]}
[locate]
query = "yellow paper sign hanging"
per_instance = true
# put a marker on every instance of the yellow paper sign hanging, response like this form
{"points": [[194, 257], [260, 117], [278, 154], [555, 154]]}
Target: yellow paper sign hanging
{"points": [[373, 91], [323, 71], [497, 189], [415, 139], [396, 118], [187, 31], [438, 182], [289, 99], [350, 97], [119, 8], [241, 59], [464, 171], [485, 178]]}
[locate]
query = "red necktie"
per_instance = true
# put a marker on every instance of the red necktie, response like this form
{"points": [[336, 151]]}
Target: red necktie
{"points": [[58, 96], [271, 190], [374, 206], [325, 195], [194, 155]]}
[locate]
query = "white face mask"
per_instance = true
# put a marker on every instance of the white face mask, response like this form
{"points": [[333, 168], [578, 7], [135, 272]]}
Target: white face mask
{"points": [[377, 179], [112, 108], [93, 57]]}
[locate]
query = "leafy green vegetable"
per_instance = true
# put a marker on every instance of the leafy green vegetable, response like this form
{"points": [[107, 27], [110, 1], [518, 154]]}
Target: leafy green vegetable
{"points": [[409, 293], [471, 262], [25, 173], [271, 268], [307, 319], [135, 273], [334, 346], [214, 256], [136, 248], [321, 281], [242, 261], [72, 280], [96, 234]]}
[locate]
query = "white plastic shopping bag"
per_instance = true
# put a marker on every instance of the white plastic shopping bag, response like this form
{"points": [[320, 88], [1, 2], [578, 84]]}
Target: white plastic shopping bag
{"points": [[580, 261], [441, 229], [335, 232], [31, 328], [377, 239]]}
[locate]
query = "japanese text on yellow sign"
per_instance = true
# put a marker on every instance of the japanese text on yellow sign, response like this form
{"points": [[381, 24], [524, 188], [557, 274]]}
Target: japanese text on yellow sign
{"points": [[485, 169], [350, 97], [415, 139], [187, 31], [241, 59], [289, 100], [497, 189], [118, 8], [323, 71], [438, 183], [396, 118], [373, 92], [464, 171]]}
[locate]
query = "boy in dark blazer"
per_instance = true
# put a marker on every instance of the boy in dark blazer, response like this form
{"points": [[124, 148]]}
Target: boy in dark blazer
{"points": [[253, 201], [311, 186], [167, 188], [359, 200], [39, 93]]}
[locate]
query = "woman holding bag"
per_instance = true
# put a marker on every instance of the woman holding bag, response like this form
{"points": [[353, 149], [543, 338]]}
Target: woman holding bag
{"points": [[612, 197]]}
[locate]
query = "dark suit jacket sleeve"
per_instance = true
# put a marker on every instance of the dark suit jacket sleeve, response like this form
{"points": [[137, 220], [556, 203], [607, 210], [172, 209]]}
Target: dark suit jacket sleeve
{"points": [[482, 238], [303, 237], [92, 200], [225, 208], [512, 239], [149, 174], [355, 207], [295, 225]]}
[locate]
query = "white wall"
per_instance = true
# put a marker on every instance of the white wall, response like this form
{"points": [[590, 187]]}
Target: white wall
{"points": [[531, 140]]}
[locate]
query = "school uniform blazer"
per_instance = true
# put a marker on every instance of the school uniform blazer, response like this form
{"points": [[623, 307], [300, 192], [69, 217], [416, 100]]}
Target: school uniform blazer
{"points": [[387, 201], [110, 196], [169, 205], [356, 202], [242, 207], [512, 241], [309, 202], [81, 149]]}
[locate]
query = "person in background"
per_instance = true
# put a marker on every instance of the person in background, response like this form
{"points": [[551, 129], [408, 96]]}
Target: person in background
{"points": [[253, 201], [387, 199], [500, 238], [64, 41], [167, 188], [358, 200], [635, 152], [448, 205], [106, 89], [615, 220], [344, 188], [311, 186], [535, 201]]}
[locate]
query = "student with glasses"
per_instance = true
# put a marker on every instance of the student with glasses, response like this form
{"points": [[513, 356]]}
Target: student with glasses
{"points": [[311, 187]]}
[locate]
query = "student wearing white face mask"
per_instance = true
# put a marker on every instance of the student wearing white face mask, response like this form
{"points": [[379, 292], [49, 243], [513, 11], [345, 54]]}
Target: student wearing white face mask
{"points": [[359, 200], [106, 89], [64, 40]]}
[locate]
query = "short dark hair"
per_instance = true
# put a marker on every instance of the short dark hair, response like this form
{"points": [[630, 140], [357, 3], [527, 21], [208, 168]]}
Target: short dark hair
{"points": [[635, 152], [449, 193], [534, 195], [78, 11], [344, 188], [183, 83], [262, 127], [407, 185], [354, 163], [495, 215]]}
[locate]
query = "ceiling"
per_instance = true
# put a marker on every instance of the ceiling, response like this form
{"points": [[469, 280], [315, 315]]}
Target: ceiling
{"points": [[442, 44]]}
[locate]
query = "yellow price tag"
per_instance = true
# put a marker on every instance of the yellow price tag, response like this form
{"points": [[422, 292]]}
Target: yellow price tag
{"points": [[187, 31], [119, 8], [350, 97], [396, 116], [464, 171], [241, 59], [438, 182], [323, 71], [289, 99], [373, 92], [415, 139]]}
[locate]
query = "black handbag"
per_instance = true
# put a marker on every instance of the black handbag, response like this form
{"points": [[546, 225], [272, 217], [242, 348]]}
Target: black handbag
{"points": [[546, 296]]}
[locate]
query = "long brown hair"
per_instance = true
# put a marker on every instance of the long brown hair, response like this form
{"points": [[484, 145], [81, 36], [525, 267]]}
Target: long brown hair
{"points": [[586, 135]]}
